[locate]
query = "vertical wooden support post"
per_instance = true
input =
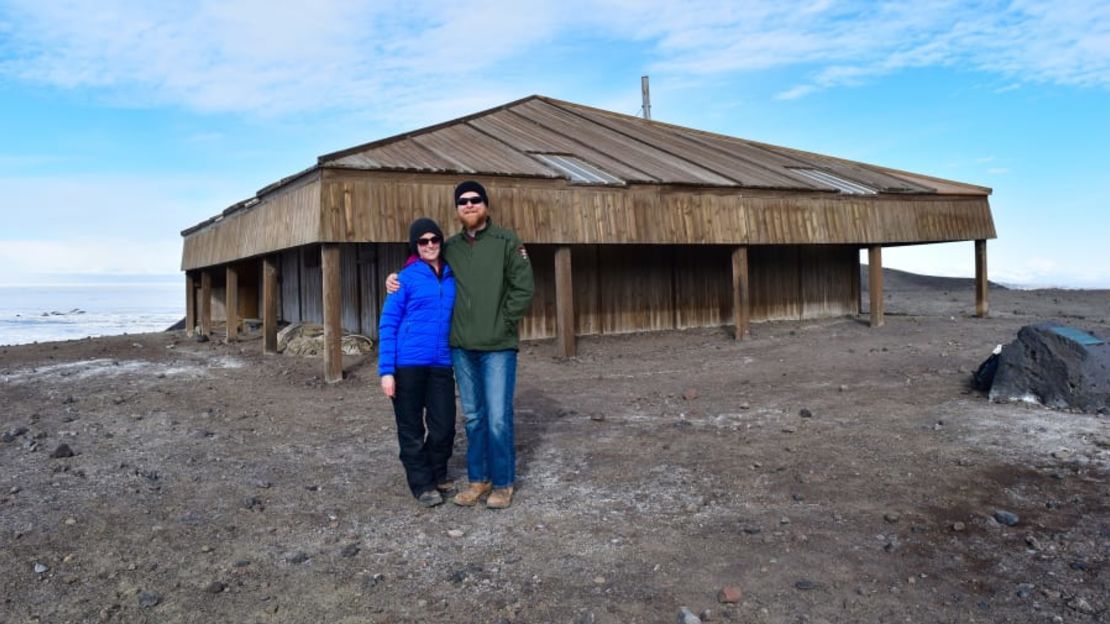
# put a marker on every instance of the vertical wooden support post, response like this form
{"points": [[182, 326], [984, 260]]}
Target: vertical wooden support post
{"points": [[741, 293], [269, 304], [232, 298], [205, 302], [982, 306], [333, 301], [190, 303], [564, 304], [875, 283]]}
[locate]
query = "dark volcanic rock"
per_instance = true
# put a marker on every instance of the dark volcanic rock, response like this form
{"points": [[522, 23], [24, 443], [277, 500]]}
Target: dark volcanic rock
{"points": [[63, 450], [1050, 364]]}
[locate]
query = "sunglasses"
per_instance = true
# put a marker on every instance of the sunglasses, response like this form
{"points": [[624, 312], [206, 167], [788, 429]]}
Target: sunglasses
{"points": [[470, 200], [434, 240]]}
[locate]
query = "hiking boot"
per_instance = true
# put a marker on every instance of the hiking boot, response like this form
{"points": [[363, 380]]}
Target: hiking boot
{"points": [[429, 498], [500, 498], [472, 494], [447, 488]]}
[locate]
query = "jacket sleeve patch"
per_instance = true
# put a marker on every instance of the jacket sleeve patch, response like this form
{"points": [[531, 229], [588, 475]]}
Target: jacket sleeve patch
{"points": [[522, 251]]}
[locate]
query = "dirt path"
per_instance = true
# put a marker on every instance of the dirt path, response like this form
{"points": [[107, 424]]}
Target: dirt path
{"points": [[832, 472]]}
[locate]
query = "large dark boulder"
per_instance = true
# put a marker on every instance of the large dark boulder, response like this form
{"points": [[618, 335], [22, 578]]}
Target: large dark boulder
{"points": [[1057, 366]]}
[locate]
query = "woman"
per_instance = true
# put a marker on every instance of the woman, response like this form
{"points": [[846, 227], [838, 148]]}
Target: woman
{"points": [[414, 362]]}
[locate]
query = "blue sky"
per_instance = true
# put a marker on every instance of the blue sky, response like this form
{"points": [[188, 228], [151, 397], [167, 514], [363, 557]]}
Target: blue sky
{"points": [[124, 122]]}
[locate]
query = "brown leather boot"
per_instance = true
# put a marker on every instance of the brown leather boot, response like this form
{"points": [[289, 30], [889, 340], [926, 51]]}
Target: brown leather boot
{"points": [[472, 494], [500, 498]]}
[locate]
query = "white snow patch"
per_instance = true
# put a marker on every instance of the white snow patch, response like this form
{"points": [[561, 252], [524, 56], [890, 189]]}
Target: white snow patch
{"points": [[104, 367], [1038, 434]]}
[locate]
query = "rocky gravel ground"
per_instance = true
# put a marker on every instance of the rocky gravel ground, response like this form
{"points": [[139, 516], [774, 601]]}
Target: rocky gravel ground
{"points": [[821, 471]]}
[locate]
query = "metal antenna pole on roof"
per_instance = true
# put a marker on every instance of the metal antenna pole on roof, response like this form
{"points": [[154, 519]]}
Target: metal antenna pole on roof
{"points": [[647, 97]]}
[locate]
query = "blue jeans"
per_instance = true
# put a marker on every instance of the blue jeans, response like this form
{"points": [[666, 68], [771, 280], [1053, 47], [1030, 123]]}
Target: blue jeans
{"points": [[486, 381]]}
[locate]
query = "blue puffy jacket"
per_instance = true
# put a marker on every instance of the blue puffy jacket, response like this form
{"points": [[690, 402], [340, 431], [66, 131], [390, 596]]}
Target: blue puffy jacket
{"points": [[416, 320]]}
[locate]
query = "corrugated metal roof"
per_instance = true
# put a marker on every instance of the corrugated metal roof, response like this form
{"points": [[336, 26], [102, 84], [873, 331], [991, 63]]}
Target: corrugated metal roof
{"points": [[505, 141]]}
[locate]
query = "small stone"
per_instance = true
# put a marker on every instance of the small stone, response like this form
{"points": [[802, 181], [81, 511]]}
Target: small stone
{"points": [[350, 550], [686, 616], [206, 549], [842, 388], [784, 521], [958, 526], [805, 585], [1081, 605], [215, 587], [706, 615], [789, 429], [892, 516], [262, 484], [253, 503], [298, 556], [41, 568], [148, 600], [690, 394], [1024, 590], [70, 521], [454, 533], [805, 413], [1006, 517], [62, 451], [730, 594], [1078, 565], [597, 417], [599, 580]]}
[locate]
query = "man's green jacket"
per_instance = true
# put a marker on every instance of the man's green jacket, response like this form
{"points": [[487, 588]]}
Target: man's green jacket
{"points": [[494, 287]]}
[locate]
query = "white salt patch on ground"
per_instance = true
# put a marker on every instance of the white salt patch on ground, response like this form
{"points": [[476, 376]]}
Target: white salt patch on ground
{"points": [[1037, 433], [104, 367]]}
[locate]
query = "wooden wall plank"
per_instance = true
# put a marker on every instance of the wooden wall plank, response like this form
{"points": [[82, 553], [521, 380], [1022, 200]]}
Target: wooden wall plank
{"points": [[289, 268], [349, 311], [312, 289]]}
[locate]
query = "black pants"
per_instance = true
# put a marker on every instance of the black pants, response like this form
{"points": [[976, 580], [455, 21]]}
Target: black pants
{"points": [[425, 394]]}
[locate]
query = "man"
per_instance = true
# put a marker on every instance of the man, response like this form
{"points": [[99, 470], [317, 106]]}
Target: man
{"points": [[494, 287]]}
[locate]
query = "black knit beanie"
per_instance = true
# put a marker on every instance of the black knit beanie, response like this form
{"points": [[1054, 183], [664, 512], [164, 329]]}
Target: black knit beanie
{"points": [[420, 227], [470, 186]]}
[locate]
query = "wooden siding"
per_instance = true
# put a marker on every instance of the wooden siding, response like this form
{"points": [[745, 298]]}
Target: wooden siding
{"points": [[617, 288], [378, 207], [359, 206], [286, 218], [630, 288], [289, 278]]}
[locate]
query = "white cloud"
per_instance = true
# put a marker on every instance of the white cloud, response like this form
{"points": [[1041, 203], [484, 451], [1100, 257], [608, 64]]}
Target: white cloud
{"points": [[390, 57]]}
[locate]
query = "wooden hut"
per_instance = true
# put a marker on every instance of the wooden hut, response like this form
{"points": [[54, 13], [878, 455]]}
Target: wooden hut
{"points": [[631, 225]]}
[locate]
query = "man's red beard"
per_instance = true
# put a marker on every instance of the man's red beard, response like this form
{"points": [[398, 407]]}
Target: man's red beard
{"points": [[472, 220]]}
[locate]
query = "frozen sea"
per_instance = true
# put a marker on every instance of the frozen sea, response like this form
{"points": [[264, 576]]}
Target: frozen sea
{"points": [[42, 313]]}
